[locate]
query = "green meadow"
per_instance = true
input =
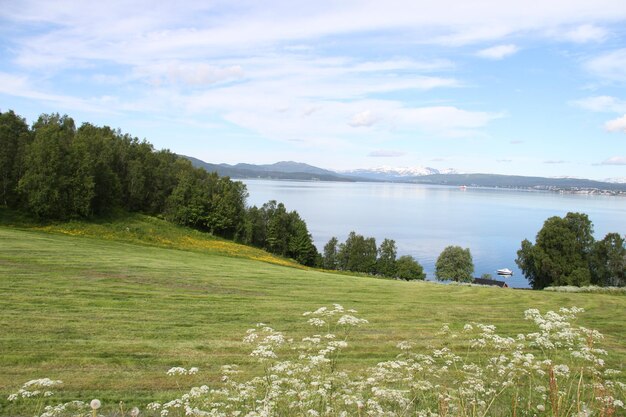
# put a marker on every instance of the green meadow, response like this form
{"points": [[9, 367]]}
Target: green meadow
{"points": [[108, 307]]}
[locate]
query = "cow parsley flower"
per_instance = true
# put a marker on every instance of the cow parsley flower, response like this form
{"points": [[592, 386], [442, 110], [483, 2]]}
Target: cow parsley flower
{"points": [[176, 370], [316, 321], [349, 320]]}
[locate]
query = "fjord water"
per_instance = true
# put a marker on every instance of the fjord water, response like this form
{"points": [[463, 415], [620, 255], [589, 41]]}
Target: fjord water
{"points": [[424, 219]]}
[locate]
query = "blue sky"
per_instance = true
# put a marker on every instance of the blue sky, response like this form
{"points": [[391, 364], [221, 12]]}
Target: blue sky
{"points": [[509, 87]]}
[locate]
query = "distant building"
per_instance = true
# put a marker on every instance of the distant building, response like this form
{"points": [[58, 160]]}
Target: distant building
{"points": [[491, 282]]}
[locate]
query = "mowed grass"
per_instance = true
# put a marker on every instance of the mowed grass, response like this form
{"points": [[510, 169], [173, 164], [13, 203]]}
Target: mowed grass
{"points": [[109, 315]]}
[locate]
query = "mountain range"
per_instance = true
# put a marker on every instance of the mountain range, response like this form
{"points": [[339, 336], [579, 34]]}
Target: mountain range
{"points": [[385, 173], [286, 170], [289, 170]]}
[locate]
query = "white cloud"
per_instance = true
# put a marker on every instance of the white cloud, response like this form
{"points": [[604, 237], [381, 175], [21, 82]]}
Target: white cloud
{"points": [[585, 33], [135, 32], [616, 125], [238, 62], [498, 52], [200, 73], [22, 86], [606, 104], [610, 66], [601, 104], [363, 119], [615, 160], [445, 120]]}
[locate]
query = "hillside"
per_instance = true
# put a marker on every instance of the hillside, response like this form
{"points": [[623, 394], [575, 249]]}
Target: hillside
{"points": [[109, 307], [514, 181], [423, 175], [279, 170]]}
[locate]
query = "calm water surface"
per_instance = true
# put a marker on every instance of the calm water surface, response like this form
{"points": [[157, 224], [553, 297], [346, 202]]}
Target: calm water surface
{"points": [[424, 219]]}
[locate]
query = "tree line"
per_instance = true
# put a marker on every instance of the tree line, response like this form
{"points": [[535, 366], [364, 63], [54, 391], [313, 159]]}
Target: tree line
{"points": [[56, 171], [360, 254], [566, 253]]}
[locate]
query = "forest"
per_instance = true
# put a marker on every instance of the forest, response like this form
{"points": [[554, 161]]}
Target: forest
{"points": [[54, 171]]}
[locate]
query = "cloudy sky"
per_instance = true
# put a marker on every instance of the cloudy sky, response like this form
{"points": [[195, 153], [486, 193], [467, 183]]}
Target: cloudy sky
{"points": [[500, 86]]}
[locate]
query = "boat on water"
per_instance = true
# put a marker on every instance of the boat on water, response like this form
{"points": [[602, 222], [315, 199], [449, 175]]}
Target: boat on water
{"points": [[504, 271]]}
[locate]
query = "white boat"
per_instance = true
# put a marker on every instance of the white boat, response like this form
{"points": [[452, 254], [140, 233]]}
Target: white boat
{"points": [[504, 271]]}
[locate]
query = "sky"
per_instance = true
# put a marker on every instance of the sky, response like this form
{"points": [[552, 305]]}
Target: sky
{"points": [[491, 86]]}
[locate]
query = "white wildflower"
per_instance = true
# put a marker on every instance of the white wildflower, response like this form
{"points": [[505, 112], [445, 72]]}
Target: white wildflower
{"points": [[263, 352], [154, 406], [350, 320], [251, 336], [561, 370], [95, 404], [315, 321]]}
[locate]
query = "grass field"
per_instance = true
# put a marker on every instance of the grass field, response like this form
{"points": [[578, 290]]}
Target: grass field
{"points": [[109, 307]]}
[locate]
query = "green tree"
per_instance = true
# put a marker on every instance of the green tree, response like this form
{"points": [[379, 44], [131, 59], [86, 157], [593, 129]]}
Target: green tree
{"points": [[15, 136], [608, 261], [227, 211], [561, 253], [96, 149], [189, 202], [81, 178], [255, 227], [386, 262], [160, 172], [330, 258], [409, 269], [277, 227], [300, 243], [358, 254], [46, 185], [135, 163], [455, 263], [280, 232]]}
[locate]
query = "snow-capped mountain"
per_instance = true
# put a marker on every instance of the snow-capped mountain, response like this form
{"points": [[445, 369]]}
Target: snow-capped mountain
{"points": [[392, 173]]}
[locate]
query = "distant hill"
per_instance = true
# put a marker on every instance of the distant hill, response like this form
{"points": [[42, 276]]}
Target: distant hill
{"points": [[514, 181], [286, 167], [286, 170], [289, 170]]}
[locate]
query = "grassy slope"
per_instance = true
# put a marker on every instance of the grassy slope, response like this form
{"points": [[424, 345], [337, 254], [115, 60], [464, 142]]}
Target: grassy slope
{"points": [[108, 315]]}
